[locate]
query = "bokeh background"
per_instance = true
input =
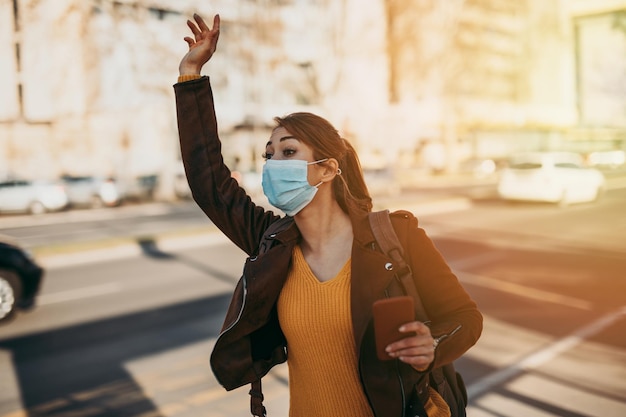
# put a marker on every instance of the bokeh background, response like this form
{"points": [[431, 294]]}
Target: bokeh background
{"points": [[415, 84]]}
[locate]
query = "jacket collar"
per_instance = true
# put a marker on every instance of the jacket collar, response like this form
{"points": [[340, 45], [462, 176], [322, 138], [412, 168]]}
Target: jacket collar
{"points": [[361, 229]]}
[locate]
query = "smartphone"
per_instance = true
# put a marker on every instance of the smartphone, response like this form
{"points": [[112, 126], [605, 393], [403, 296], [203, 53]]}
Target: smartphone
{"points": [[389, 315]]}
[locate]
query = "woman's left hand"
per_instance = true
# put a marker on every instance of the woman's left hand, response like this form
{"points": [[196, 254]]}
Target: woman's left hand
{"points": [[418, 349]]}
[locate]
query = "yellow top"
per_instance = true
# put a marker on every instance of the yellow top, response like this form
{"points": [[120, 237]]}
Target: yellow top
{"points": [[315, 318], [188, 77]]}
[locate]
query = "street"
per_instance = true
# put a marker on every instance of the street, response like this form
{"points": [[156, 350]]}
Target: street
{"points": [[129, 332]]}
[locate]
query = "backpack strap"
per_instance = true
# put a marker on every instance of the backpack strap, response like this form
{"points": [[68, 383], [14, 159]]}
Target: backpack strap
{"points": [[388, 242], [257, 408], [445, 379]]}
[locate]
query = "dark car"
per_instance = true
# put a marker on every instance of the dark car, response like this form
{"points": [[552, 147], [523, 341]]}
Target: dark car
{"points": [[20, 278]]}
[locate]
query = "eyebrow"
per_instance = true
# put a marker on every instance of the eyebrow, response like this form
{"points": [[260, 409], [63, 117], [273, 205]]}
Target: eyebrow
{"points": [[281, 139]]}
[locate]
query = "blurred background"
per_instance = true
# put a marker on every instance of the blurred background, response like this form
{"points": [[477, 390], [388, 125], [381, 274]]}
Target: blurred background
{"points": [[500, 123], [416, 85]]}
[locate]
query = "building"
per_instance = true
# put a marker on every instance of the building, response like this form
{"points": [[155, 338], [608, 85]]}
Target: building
{"points": [[87, 85]]}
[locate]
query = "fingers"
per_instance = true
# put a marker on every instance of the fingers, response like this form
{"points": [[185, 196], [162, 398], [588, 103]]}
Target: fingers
{"points": [[411, 346], [200, 21], [216, 27], [413, 353], [196, 32], [417, 327], [203, 26], [417, 348], [418, 362], [189, 41]]}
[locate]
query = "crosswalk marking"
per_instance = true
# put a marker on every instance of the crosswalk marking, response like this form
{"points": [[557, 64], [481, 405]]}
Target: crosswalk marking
{"points": [[524, 291], [542, 356]]}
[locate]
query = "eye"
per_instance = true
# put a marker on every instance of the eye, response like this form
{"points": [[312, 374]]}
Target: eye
{"points": [[289, 152], [266, 155]]}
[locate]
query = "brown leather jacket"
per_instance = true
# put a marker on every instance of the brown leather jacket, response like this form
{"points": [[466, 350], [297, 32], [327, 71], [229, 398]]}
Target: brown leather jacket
{"points": [[251, 341]]}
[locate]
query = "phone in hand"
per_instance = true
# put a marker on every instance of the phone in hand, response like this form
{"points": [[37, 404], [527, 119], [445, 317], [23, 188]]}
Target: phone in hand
{"points": [[389, 314]]}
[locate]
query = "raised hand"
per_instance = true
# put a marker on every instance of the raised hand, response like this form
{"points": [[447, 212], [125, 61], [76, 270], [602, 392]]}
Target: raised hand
{"points": [[201, 46]]}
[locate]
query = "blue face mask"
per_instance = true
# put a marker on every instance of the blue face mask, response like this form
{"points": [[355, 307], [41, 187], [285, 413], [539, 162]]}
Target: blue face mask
{"points": [[286, 186]]}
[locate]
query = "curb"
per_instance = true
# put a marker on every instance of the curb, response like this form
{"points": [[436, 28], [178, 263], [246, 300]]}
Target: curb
{"points": [[132, 249], [79, 215]]}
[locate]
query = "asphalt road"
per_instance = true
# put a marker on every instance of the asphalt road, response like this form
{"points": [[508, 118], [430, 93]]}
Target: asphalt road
{"points": [[127, 330]]}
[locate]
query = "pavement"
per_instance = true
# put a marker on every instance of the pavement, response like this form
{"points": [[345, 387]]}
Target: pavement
{"points": [[438, 195]]}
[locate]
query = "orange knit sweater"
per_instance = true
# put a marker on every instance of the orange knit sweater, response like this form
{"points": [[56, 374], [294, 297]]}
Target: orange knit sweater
{"points": [[315, 318]]}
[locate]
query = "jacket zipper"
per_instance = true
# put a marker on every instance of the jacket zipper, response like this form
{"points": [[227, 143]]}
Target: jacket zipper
{"points": [[445, 336], [243, 304]]}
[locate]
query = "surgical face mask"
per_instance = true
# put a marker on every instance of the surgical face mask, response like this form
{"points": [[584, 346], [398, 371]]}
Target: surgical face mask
{"points": [[286, 186]]}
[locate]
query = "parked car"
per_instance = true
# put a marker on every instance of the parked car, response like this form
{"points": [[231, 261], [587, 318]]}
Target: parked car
{"points": [[36, 197], [20, 279], [141, 188], [607, 159], [557, 177], [481, 167], [92, 191]]}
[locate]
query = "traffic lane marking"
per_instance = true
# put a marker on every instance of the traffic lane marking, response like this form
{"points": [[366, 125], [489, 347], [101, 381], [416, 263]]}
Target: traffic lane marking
{"points": [[523, 291], [569, 396], [460, 266], [79, 293], [540, 357]]}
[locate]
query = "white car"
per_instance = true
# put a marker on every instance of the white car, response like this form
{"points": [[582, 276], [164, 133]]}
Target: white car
{"points": [[556, 177], [34, 197], [91, 191]]}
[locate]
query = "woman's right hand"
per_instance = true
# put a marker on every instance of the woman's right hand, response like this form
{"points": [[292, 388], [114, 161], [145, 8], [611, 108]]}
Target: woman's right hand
{"points": [[201, 46]]}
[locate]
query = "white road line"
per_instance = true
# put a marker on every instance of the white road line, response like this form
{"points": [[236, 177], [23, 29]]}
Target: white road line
{"points": [[477, 260], [79, 293], [542, 356], [523, 291], [90, 256], [511, 287]]}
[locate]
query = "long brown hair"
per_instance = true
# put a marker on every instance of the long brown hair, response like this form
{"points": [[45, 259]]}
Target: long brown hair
{"points": [[349, 187]]}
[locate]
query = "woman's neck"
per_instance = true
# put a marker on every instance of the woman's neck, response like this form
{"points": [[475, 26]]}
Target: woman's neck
{"points": [[326, 240], [324, 229]]}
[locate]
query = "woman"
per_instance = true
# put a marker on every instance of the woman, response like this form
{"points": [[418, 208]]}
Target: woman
{"points": [[310, 291]]}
